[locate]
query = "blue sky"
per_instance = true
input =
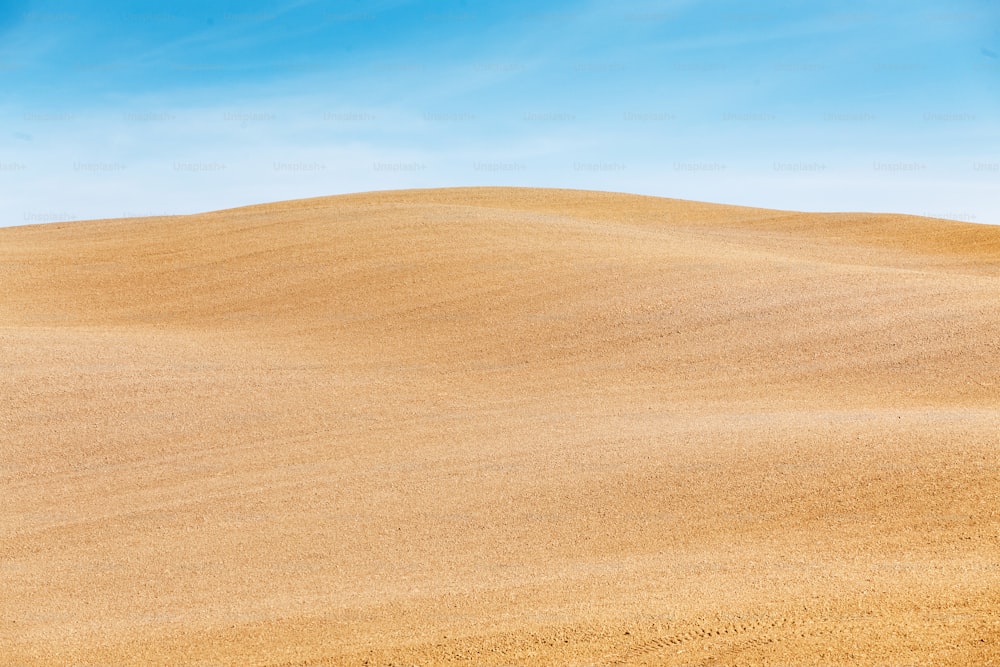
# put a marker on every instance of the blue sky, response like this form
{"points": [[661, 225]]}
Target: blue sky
{"points": [[133, 108]]}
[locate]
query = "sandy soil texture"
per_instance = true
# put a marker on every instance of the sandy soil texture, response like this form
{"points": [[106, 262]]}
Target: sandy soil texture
{"points": [[500, 426]]}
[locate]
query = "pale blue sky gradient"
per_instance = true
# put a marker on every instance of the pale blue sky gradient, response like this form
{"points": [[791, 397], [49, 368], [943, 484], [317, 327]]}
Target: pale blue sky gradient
{"points": [[136, 108]]}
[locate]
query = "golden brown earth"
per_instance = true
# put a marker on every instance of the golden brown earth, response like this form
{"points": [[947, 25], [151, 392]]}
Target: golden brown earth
{"points": [[500, 426]]}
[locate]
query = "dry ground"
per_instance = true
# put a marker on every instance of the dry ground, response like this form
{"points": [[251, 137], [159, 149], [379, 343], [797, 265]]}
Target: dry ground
{"points": [[500, 426]]}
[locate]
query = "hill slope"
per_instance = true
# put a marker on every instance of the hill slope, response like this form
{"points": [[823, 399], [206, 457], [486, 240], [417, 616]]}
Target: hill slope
{"points": [[504, 426]]}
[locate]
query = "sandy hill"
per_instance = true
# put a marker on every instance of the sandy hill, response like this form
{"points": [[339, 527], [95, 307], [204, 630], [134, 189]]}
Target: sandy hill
{"points": [[500, 426]]}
